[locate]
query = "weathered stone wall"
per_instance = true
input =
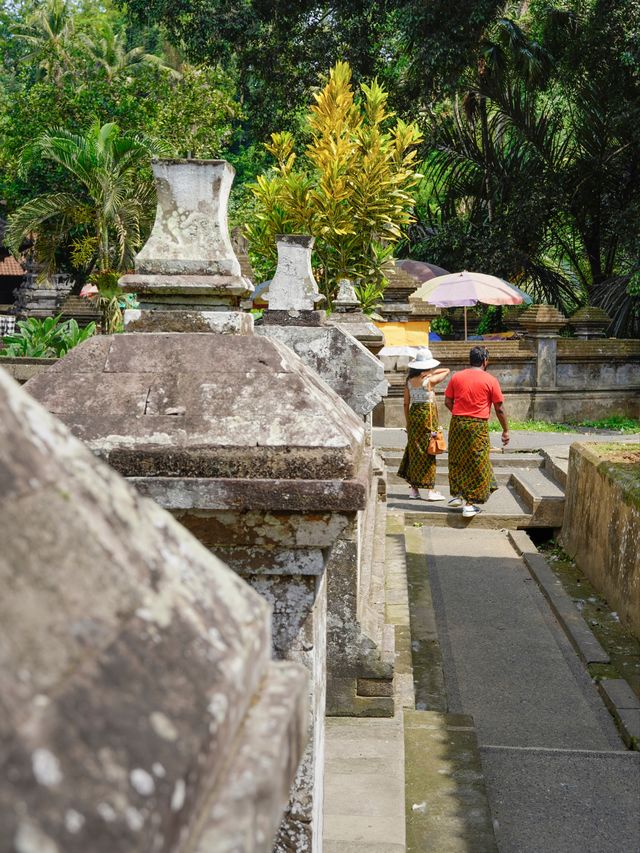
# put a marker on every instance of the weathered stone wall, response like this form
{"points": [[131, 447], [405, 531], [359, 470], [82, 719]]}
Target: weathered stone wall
{"points": [[255, 455], [592, 379], [140, 707], [601, 528]]}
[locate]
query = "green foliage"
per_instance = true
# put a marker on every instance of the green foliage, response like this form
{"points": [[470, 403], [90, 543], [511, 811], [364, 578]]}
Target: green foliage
{"points": [[85, 65], [194, 119], [48, 338], [442, 326], [106, 218], [533, 174], [352, 190], [618, 423]]}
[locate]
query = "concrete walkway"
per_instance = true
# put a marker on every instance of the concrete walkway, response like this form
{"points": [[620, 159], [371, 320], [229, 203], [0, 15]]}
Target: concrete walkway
{"points": [[557, 774]]}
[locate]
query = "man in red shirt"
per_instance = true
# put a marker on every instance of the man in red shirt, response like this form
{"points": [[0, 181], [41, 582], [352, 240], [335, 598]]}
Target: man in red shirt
{"points": [[469, 397]]}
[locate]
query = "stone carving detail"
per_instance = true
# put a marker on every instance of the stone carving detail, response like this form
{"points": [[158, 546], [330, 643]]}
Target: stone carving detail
{"points": [[294, 287], [190, 234], [187, 276]]}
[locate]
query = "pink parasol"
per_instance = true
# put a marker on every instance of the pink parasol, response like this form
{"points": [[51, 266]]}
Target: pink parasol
{"points": [[461, 289]]}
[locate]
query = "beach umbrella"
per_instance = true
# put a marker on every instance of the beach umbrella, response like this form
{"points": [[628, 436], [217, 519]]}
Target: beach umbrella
{"points": [[462, 289]]}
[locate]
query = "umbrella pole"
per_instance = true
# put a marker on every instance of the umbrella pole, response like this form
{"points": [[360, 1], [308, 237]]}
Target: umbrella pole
{"points": [[465, 322]]}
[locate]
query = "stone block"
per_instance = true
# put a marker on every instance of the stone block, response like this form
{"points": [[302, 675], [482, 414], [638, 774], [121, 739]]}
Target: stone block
{"points": [[256, 455], [141, 710]]}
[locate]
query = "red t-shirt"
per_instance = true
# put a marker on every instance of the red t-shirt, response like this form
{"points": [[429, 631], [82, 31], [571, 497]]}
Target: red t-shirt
{"points": [[473, 391]]}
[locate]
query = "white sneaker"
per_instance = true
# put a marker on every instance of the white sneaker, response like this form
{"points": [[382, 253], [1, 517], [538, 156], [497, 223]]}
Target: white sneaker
{"points": [[470, 510], [455, 503], [434, 496], [414, 494]]}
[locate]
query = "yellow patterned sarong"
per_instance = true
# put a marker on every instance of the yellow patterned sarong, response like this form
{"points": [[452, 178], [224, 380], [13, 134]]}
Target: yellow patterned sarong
{"points": [[417, 467], [470, 471]]}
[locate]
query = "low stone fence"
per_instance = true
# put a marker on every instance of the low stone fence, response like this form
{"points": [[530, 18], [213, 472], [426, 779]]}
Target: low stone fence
{"points": [[561, 379], [24, 369], [601, 529]]}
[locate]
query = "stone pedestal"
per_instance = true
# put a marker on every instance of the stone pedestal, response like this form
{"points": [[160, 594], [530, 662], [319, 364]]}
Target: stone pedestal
{"points": [[140, 707], [590, 323], [542, 323], [187, 277], [349, 316], [41, 299]]}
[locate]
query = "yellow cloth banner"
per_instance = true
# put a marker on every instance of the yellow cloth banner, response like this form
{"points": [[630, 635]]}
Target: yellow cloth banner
{"points": [[412, 333]]}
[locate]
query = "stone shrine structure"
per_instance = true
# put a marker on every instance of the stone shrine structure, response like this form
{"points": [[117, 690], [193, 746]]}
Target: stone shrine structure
{"points": [[187, 277], [360, 659], [141, 707], [349, 316], [243, 443]]}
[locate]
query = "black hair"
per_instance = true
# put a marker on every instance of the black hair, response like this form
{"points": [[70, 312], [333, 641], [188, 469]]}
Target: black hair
{"points": [[477, 356]]}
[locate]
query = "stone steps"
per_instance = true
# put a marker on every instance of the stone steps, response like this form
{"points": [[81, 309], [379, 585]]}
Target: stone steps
{"points": [[504, 510], [542, 496]]}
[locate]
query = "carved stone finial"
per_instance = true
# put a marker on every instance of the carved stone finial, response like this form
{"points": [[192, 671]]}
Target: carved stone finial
{"points": [[346, 300], [187, 270], [590, 322], [542, 321], [294, 287]]}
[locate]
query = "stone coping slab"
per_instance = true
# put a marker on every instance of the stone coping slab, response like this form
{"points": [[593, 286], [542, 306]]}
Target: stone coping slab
{"points": [[181, 493], [203, 405]]}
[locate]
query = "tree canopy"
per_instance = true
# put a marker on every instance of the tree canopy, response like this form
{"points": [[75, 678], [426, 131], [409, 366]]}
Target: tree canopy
{"points": [[528, 111]]}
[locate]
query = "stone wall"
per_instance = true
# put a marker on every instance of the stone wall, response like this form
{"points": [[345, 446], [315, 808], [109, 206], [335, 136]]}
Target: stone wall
{"points": [[585, 380], [141, 709], [601, 527]]}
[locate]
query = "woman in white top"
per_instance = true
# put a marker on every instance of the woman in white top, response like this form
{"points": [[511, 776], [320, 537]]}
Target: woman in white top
{"points": [[418, 468]]}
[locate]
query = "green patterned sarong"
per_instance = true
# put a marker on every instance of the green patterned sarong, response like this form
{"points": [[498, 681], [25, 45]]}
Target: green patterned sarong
{"points": [[470, 470], [417, 467]]}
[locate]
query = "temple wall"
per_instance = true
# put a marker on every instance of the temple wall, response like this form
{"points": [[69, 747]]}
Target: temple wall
{"points": [[585, 380]]}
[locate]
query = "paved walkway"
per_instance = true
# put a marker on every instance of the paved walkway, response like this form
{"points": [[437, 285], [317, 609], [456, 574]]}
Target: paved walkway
{"points": [[558, 777]]}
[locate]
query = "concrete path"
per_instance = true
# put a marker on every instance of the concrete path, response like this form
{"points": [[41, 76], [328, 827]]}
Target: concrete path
{"points": [[364, 785], [558, 778]]}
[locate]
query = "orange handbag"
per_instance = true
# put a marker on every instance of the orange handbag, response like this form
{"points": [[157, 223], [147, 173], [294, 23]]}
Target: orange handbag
{"points": [[437, 444]]}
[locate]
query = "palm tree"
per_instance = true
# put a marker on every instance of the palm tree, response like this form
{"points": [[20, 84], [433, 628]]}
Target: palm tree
{"points": [[47, 31], [104, 219], [108, 50]]}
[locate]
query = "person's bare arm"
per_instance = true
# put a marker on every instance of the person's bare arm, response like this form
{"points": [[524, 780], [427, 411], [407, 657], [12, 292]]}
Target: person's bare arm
{"points": [[406, 404], [437, 376], [448, 401], [504, 423]]}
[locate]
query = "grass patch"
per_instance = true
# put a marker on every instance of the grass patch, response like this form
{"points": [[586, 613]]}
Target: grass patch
{"points": [[532, 426], [616, 423]]}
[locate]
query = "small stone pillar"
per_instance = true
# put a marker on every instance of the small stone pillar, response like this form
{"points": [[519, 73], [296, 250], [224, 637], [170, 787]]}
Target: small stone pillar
{"points": [[40, 299], [187, 276], [543, 324], [349, 316], [255, 456], [140, 707], [293, 292], [590, 322]]}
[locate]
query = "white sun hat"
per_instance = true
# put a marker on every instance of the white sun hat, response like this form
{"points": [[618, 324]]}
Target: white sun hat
{"points": [[423, 360]]}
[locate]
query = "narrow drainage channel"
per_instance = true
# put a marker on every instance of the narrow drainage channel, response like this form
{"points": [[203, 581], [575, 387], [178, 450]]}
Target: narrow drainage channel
{"points": [[620, 644]]}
